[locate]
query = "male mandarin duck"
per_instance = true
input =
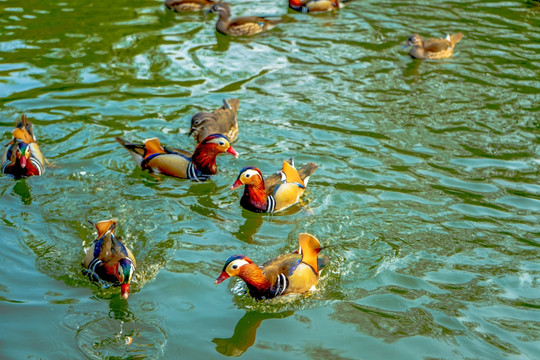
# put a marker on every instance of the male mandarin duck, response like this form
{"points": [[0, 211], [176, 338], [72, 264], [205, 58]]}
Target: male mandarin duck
{"points": [[188, 5], [108, 260], [221, 121], [198, 166], [247, 25], [293, 273], [22, 157], [432, 48], [277, 192], [306, 6]]}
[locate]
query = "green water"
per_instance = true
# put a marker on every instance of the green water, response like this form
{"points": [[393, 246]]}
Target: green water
{"points": [[427, 187]]}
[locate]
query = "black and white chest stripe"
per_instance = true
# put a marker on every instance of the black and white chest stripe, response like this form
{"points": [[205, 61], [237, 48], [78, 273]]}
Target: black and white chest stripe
{"points": [[35, 161], [281, 285], [6, 163], [270, 204], [195, 175], [91, 271]]}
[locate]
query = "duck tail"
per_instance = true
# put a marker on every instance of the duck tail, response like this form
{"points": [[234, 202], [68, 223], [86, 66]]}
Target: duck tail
{"points": [[309, 248], [232, 104], [306, 171], [138, 151], [24, 123], [455, 38], [105, 226], [24, 130]]}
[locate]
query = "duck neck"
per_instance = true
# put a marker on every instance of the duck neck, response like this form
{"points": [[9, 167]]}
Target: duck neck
{"points": [[255, 197], [28, 170], [204, 160], [254, 278], [224, 15]]}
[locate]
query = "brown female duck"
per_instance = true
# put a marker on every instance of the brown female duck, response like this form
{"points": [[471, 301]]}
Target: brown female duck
{"points": [[198, 166], [188, 5], [22, 157], [221, 121], [248, 25], [293, 273], [432, 48], [108, 260]]}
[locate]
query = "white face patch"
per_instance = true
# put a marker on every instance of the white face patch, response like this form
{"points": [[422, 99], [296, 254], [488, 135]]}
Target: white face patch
{"points": [[236, 264], [250, 172], [219, 141]]}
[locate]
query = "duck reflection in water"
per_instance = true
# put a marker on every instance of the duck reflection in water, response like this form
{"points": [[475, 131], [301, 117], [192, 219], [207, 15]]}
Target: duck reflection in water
{"points": [[119, 310], [250, 227], [245, 332], [22, 189]]}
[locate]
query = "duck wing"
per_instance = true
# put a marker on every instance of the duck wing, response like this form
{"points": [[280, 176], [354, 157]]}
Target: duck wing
{"points": [[436, 45]]}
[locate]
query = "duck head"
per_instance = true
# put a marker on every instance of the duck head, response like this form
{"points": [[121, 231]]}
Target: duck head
{"points": [[249, 176], [20, 154], [222, 9], [232, 267], [217, 143], [204, 156], [413, 40], [124, 273], [197, 121]]}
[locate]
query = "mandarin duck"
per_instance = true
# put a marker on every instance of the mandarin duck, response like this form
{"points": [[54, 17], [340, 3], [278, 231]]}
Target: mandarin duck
{"points": [[22, 157], [306, 6], [277, 192], [198, 166], [108, 260], [240, 26], [220, 121], [293, 273], [188, 5], [432, 48]]}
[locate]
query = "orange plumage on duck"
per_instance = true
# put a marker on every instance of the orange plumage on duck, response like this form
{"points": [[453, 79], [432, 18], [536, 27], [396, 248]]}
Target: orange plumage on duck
{"points": [[198, 166], [293, 273], [23, 157], [108, 260], [277, 192]]}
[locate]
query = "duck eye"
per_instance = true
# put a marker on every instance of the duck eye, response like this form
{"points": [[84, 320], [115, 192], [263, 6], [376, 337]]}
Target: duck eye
{"points": [[221, 143], [248, 175], [234, 267]]}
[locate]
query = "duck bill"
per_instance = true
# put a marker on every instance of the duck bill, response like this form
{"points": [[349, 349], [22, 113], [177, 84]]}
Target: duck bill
{"points": [[124, 288], [221, 278], [23, 161], [231, 150], [236, 184]]}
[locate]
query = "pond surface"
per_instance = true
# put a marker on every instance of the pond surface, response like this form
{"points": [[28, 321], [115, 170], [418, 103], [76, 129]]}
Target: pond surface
{"points": [[427, 190]]}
